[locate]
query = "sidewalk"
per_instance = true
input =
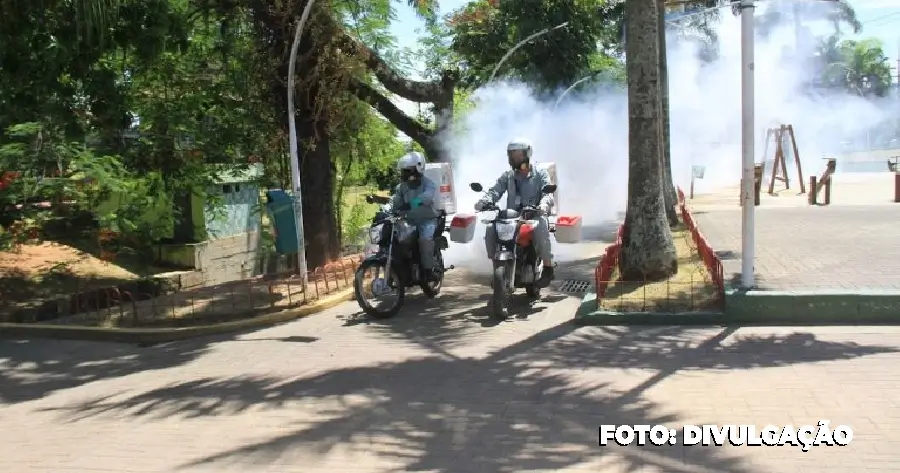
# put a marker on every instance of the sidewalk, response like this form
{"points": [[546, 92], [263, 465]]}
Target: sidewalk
{"points": [[852, 244], [434, 391]]}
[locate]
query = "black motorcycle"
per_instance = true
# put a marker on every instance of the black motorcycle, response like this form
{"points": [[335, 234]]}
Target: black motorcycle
{"points": [[515, 257], [395, 266]]}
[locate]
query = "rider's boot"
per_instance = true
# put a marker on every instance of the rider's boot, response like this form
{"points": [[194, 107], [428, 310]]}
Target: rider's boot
{"points": [[546, 276]]}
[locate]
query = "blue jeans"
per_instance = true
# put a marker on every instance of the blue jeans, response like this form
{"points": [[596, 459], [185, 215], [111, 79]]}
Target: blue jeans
{"points": [[426, 243]]}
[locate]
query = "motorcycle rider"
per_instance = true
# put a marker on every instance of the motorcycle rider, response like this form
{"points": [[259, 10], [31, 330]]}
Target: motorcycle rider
{"points": [[416, 195], [522, 185]]}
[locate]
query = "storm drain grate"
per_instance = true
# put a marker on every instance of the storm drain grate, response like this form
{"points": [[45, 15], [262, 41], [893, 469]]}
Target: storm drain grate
{"points": [[574, 286]]}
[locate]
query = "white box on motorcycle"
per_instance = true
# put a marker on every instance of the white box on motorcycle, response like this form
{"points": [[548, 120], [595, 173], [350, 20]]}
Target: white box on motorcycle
{"points": [[442, 175], [462, 228], [551, 170], [568, 229]]}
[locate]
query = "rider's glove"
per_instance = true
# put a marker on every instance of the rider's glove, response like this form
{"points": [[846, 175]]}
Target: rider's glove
{"points": [[545, 208], [479, 206], [415, 202]]}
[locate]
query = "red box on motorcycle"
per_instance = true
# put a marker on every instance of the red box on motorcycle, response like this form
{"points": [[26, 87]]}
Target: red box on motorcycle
{"points": [[568, 229], [462, 228]]}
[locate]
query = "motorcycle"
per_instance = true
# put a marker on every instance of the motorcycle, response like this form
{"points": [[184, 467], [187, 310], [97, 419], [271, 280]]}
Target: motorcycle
{"points": [[396, 262], [515, 258]]}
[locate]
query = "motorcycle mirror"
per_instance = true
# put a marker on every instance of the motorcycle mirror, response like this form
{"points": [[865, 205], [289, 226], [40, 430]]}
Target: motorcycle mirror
{"points": [[549, 189], [476, 187]]}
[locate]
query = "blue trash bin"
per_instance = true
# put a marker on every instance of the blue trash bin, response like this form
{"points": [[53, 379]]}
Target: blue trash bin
{"points": [[280, 206]]}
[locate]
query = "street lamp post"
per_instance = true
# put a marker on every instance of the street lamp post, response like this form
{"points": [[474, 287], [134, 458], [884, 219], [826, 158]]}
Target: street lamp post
{"points": [[747, 144], [295, 157], [520, 44]]}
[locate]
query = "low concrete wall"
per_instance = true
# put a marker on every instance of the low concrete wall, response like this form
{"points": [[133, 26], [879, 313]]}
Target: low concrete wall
{"points": [[222, 260]]}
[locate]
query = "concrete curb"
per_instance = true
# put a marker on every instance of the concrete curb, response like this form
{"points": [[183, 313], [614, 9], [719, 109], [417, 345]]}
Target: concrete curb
{"points": [[588, 314], [764, 308], [149, 336], [841, 307]]}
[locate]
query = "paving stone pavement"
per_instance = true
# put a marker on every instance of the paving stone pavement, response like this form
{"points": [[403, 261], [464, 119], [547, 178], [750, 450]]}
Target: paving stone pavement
{"points": [[438, 389], [853, 246]]}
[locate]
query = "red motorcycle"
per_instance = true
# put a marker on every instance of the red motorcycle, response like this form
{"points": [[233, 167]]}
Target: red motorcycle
{"points": [[516, 262]]}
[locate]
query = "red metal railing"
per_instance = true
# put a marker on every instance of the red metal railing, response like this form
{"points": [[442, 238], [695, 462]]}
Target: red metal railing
{"points": [[607, 264], [712, 262], [147, 305]]}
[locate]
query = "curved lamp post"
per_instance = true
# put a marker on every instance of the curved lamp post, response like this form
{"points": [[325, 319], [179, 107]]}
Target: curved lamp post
{"points": [[295, 158], [576, 84], [520, 44]]}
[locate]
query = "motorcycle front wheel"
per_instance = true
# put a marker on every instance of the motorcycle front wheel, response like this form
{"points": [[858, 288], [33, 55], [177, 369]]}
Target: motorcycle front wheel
{"points": [[500, 283], [432, 288], [371, 279]]}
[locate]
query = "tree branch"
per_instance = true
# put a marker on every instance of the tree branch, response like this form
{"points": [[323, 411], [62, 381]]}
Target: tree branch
{"points": [[410, 127], [393, 81]]}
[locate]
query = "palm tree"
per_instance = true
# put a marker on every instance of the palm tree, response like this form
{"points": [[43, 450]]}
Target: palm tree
{"points": [[860, 67], [648, 251], [837, 12]]}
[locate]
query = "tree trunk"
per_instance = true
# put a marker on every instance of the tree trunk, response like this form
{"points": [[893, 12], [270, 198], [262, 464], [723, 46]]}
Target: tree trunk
{"points": [[648, 252], [443, 117], [669, 194], [320, 228]]}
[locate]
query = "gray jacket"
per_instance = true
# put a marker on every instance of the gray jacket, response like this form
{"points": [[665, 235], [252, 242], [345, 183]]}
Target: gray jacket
{"points": [[427, 191], [521, 190]]}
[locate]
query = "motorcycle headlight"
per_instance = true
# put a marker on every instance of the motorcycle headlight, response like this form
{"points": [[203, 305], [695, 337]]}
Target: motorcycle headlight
{"points": [[375, 234], [505, 231]]}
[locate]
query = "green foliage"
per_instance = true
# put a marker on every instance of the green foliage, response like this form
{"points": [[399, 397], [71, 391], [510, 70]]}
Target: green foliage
{"points": [[485, 30], [139, 98], [60, 181], [859, 67], [355, 221]]}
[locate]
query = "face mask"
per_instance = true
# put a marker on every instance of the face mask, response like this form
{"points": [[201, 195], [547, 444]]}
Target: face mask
{"points": [[516, 162], [410, 177]]}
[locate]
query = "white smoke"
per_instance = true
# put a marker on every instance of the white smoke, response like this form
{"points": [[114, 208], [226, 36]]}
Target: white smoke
{"points": [[587, 134]]}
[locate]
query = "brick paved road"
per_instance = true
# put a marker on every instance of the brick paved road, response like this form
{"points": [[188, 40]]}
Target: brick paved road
{"points": [[840, 247], [437, 390]]}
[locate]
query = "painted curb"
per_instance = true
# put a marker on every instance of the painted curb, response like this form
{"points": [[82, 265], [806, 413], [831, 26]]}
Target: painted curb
{"points": [[809, 308], [823, 307], [149, 336]]}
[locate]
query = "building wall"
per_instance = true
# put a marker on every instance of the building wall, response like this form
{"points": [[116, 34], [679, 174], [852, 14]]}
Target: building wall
{"points": [[240, 212]]}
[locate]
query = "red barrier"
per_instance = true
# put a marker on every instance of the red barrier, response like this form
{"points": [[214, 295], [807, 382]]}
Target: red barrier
{"points": [[607, 264], [610, 259], [710, 259]]}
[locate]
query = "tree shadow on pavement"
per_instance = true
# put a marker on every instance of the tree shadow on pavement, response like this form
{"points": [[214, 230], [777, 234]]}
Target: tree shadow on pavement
{"points": [[31, 369], [453, 318], [531, 405]]}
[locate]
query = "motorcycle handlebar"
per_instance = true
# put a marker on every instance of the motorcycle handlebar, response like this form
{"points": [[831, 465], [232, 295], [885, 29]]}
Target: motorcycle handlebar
{"points": [[527, 208]]}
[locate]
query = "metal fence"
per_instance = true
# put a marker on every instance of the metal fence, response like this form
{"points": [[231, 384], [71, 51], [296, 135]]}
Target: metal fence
{"points": [[185, 299]]}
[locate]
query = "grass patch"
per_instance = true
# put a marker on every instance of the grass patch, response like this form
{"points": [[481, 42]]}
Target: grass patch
{"points": [[691, 289]]}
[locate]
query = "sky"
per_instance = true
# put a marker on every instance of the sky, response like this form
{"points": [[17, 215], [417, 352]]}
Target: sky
{"points": [[880, 19]]}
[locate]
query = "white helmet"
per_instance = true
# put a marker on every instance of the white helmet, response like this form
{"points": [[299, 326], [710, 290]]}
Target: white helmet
{"points": [[519, 144], [412, 160]]}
